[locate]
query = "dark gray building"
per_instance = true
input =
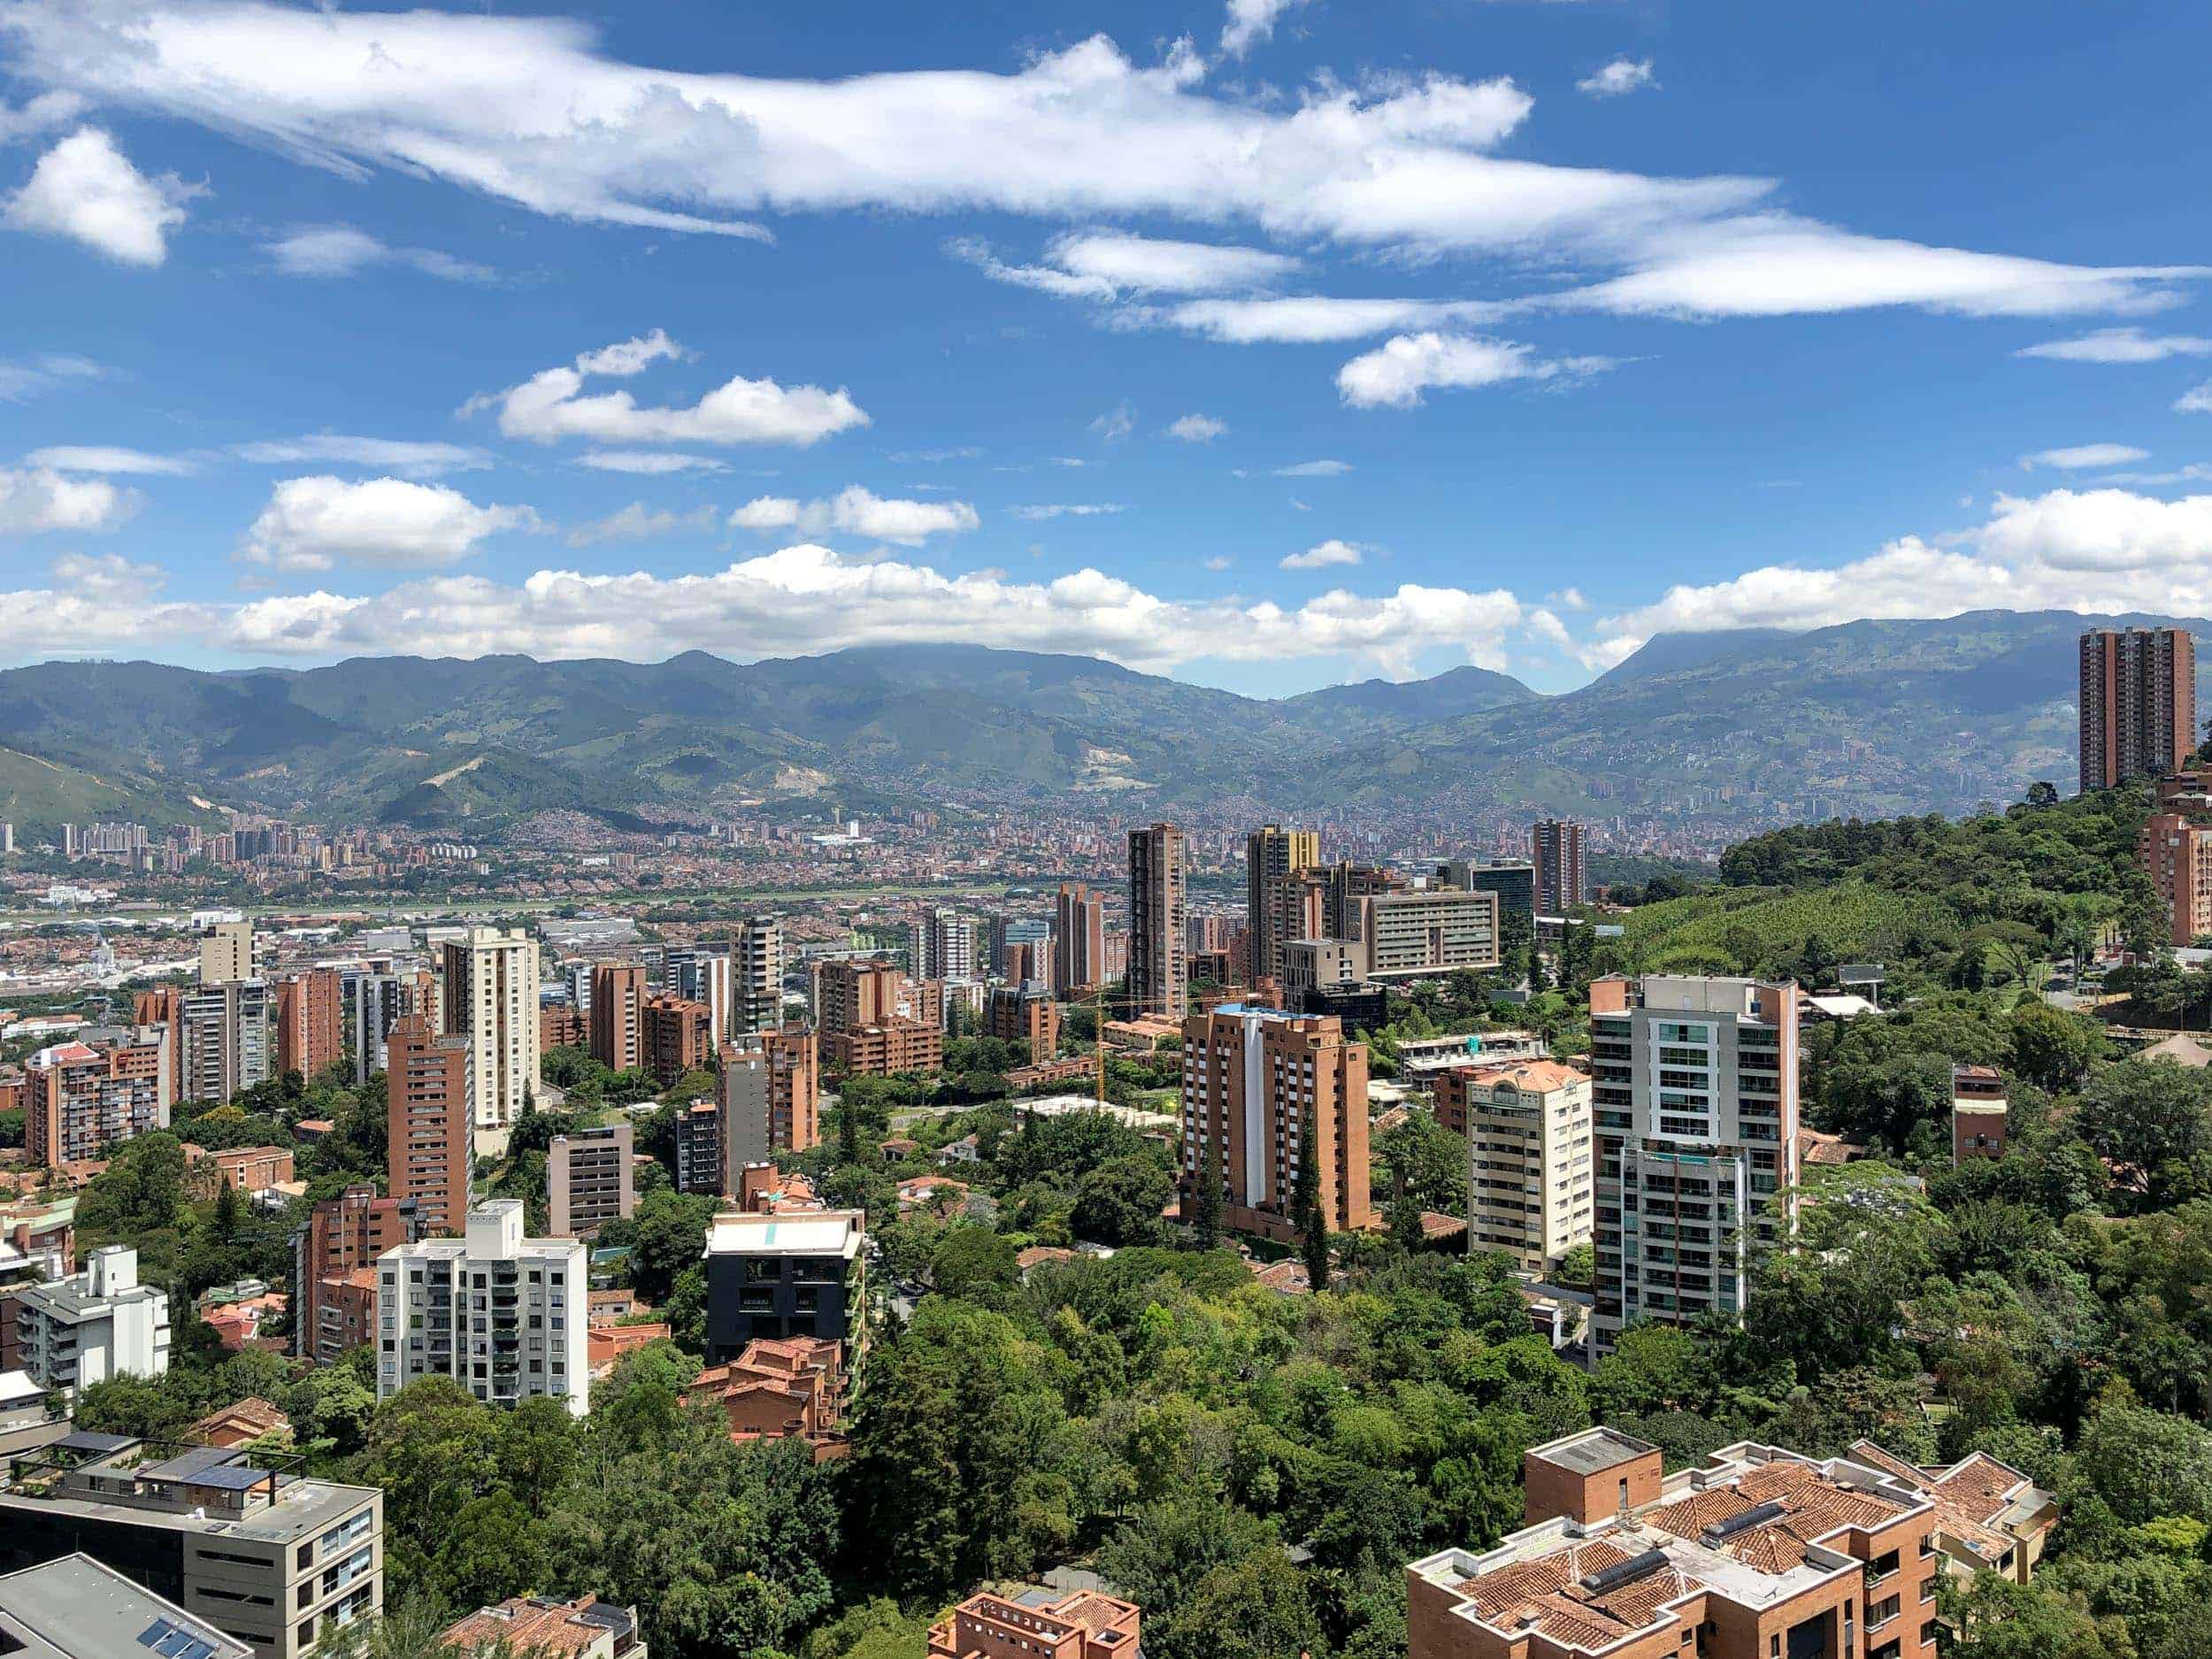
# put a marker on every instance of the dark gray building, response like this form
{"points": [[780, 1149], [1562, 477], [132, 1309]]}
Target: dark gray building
{"points": [[1514, 881], [785, 1275]]}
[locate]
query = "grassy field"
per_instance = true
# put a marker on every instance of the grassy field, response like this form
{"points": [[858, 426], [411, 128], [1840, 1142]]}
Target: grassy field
{"points": [[1714, 931]]}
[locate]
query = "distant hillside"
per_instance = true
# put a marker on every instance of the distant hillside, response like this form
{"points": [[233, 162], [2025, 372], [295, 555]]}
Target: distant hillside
{"points": [[1868, 718]]}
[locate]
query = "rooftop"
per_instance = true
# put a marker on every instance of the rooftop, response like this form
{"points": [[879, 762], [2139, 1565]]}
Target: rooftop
{"points": [[830, 1232], [138, 1477], [1593, 1450], [76, 1608]]}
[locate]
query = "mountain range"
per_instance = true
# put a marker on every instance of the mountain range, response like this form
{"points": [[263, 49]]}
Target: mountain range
{"points": [[1745, 728]]}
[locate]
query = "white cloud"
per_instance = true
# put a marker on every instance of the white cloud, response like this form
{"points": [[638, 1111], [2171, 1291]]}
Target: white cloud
{"points": [[1310, 320], [2096, 552], [653, 463], [1197, 428], [1071, 510], [1103, 265], [405, 457], [1112, 427], [2189, 473], [1327, 553], [1216, 562], [534, 112], [1399, 370], [1622, 75], [311, 523], [807, 598], [99, 602], [341, 250], [1315, 469], [21, 381], [2080, 457], [931, 457], [857, 512], [105, 458], [550, 405], [2120, 345], [2196, 400], [85, 188], [41, 114], [639, 523], [1251, 22], [41, 498]]}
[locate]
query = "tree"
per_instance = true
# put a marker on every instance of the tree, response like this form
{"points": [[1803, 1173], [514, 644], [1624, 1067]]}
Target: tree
{"points": [[1119, 1203], [1202, 1206], [1425, 1161], [1255, 1607], [969, 1258], [1313, 1225], [2151, 1121], [2052, 1047]]}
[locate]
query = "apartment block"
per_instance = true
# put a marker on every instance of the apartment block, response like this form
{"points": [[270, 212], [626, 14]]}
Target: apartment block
{"points": [[1530, 1191], [223, 1034], [78, 1099], [491, 998], [778, 1275], [1428, 932], [1023, 943], [1025, 1017], [1257, 1082], [617, 1016], [1273, 851], [227, 952], [375, 1002], [1556, 850], [703, 974], [590, 1179], [1079, 941], [780, 1389], [1049, 1624], [333, 1270], [2137, 704], [430, 1089], [942, 946], [310, 1022], [502, 1315], [240, 1540], [792, 1058], [2174, 847], [1159, 962], [74, 1604], [875, 1021], [1347, 889], [759, 960], [1694, 1108], [98, 1324], [1979, 1113], [674, 1039]]}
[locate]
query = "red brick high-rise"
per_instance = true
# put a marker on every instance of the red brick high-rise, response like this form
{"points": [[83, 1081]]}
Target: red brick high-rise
{"points": [[1555, 845], [618, 1019], [2139, 703], [674, 1037], [311, 1022], [335, 1311], [1079, 941], [430, 1093]]}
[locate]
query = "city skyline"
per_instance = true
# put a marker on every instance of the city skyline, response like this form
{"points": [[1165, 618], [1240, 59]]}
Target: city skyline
{"points": [[1510, 333]]}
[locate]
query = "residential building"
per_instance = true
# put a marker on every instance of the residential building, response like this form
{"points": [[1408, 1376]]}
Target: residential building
{"points": [[310, 1022], [780, 1389], [238, 1539], [778, 1276], [98, 1324], [35, 1250], [1425, 933], [699, 1162], [74, 1605], [1024, 1015], [1322, 965], [942, 946], [1530, 1182], [1049, 1624], [1347, 890], [1979, 1112], [1159, 967], [223, 1034], [1513, 881], [1695, 1109], [1758, 1553], [376, 1002], [757, 985], [561, 1026], [502, 1315], [1273, 851], [874, 1020], [430, 1100], [2175, 846], [246, 1169], [1555, 848], [673, 1039], [617, 1015], [1025, 940], [703, 974], [793, 1074], [78, 1099], [2138, 704], [227, 952], [333, 1270], [587, 1628], [590, 1179], [1259, 1086], [491, 998], [1079, 941]]}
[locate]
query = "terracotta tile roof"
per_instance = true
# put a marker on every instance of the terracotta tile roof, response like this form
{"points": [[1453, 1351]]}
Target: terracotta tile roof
{"points": [[527, 1625], [1530, 1077]]}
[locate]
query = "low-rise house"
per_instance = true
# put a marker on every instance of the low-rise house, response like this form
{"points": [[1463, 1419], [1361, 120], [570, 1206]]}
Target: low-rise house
{"points": [[249, 1420], [587, 1628], [1047, 1623], [780, 1389]]}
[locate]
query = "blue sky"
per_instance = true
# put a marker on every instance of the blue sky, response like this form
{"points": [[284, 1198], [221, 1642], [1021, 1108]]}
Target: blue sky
{"points": [[346, 332]]}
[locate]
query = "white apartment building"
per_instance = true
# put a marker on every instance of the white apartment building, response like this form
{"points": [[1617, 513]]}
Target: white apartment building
{"points": [[703, 973], [1695, 1112], [502, 1315], [224, 1029], [1425, 932], [491, 998], [1528, 1164], [95, 1325]]}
